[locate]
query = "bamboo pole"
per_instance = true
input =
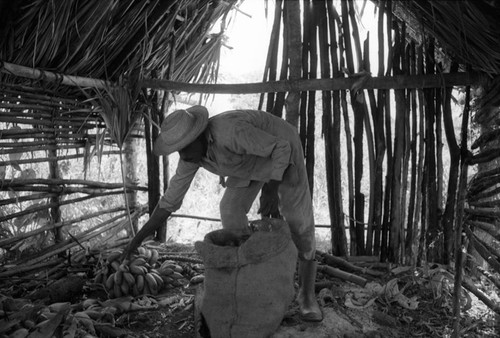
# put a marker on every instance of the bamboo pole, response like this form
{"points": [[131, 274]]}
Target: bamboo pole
{"points": [[48, 159], [420, 202], [308, 102], [388, 137], [307, 55], [410, 220], [407, 146], [332, 137], [438, 115], [311, 116], [430, 162], [485, 252], [67, 182], [161, 233], [378, 128], [42, 122], [293, 44], [397, 208], [32, 197], [272, 58], [454, 150], [19, 109], [50, 205], [386, 82], [11, 240], [350, 170], [490, 228], [55, 211], [37, 143], [26, 268], [42, 96], [343, 264], [469, 285], [337, 273], [279, 97], [81, 238], [461, 199], [483, 212], [50, 148], [32, 73], [274, 104], [357, 208], [371, 149]]}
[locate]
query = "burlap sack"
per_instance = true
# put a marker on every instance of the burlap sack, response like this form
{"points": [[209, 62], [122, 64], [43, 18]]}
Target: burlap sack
{"points": [[248, 286]]}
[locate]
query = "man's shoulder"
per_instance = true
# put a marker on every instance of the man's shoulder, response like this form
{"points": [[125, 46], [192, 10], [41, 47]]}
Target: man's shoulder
{"points": [[239, 115]]}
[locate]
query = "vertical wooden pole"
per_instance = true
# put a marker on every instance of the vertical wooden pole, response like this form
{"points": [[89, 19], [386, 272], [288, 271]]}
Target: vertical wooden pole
{"points": [[55, 211], [332, 126], [150, 135], [378, 123], [272, 57], [388, 137], [370, 145], [310, 53], [407, 146], [357, 208], [130, 164], [294, 59], [462, 190], [411, 224], [422, 181], [307, 68], [397, 163], [453, 177], [430, 160]]}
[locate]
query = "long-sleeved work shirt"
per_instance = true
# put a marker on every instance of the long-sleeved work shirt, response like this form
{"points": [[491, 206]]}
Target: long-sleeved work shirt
{"points": [[243, 145]]}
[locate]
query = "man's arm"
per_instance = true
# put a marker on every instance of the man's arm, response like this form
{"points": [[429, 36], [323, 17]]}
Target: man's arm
{"points": [[158, 217], [169, 202]]}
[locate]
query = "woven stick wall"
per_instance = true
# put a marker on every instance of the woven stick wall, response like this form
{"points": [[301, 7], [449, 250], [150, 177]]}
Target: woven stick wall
{"points": [[47, 143], [55, 132]]}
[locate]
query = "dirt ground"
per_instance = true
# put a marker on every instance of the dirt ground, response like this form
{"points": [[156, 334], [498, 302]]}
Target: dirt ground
{"points": [[381, 318], [399, 302], [377, 320]]}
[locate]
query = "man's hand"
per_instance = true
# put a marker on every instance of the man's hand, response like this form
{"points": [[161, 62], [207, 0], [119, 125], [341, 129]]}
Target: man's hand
{"points": [[269, 200], [158, 217]]}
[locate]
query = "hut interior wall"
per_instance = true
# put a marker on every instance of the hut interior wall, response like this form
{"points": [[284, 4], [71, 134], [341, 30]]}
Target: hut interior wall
{"points": [[398, 141], [393, 156], [52, 196]]}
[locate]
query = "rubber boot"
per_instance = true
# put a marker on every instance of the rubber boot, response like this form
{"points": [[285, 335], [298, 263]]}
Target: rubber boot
{"points": [[308, 305]]}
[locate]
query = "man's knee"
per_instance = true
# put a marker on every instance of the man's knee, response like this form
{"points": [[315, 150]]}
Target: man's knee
{"points": [[233, 216], [305, 243]]}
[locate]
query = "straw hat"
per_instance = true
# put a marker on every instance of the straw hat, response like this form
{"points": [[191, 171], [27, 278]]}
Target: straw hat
{"points": [[180, 128]]}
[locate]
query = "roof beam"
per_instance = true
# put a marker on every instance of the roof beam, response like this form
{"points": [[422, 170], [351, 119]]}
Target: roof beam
{"points": [[350, 83], [354, 82]]}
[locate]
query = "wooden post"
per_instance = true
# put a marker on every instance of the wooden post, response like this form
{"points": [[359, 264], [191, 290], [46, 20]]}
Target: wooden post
{"points": [[130, 167], [294, 50], [338, 237], [55, 211]]}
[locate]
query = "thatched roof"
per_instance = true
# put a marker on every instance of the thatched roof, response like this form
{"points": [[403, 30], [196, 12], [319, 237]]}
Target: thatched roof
{"points": [[467, 30], [108, 39]]}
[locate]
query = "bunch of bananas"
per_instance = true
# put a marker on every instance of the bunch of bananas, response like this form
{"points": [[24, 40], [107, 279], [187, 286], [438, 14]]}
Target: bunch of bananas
{"points": [[83, 257], [142, 274], [171, 273]]}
